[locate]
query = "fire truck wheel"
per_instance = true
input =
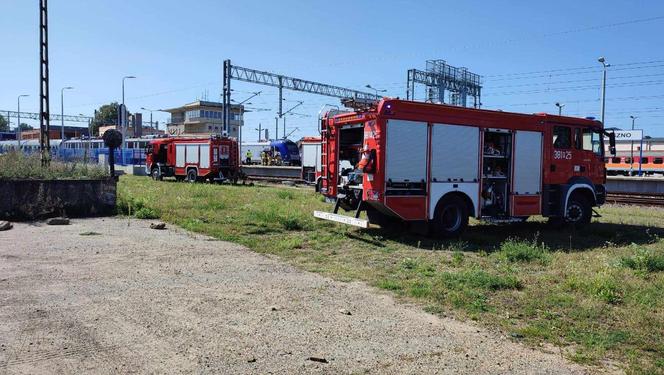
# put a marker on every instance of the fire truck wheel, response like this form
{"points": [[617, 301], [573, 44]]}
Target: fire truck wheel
{"points": [[192, 176], [156, 175], [451, 217], [579, 211]]}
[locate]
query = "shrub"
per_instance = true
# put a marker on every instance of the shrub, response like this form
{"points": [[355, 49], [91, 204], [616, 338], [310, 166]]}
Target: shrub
{"points": [[524, 251], [606, 288], [16, 165], [644, 260], [146, 213]]}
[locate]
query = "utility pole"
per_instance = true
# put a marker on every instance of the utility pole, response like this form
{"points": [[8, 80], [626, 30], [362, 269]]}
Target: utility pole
{"points": [[560, 108], [631, 153], [123, 115], [150, 110], [299, 103], [62, 112], [18, 121], [602, 60], [44, 111]]}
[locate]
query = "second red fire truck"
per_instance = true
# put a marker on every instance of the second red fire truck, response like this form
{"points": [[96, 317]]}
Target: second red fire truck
{"points": [[438, 165], [194, 159]]}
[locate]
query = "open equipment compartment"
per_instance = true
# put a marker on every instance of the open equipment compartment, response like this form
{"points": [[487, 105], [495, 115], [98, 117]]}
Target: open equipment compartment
{"points": [[496, 172], [350, 178]]}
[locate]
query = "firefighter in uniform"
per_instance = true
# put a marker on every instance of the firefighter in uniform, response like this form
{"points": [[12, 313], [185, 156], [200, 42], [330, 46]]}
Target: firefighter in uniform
{"points": [[249, 156]]}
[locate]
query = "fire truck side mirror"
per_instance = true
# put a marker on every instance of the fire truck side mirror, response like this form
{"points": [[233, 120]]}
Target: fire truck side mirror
{"points": [[612, 143]]}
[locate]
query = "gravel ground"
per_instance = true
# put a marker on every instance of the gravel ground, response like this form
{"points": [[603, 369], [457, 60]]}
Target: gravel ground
{"points": [[128, 299]]}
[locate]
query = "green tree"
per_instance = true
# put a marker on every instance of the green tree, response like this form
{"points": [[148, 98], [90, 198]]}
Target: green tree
{"points": [[107, 114], [25, 126], [4, 125]]}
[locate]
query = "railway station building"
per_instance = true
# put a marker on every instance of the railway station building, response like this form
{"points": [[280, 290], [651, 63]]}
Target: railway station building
{"points": [[204, 118]]}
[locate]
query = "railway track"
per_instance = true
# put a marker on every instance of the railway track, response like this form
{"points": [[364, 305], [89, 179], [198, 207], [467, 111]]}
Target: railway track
{"points": [[640, 199]]}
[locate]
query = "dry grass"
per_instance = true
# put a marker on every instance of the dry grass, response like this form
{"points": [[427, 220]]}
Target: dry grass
{"points": [[598, 294], [18, 166]]}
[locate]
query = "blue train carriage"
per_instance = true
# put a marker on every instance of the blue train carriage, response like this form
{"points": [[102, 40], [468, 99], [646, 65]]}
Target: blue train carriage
{"points": [[28, 146], [132, 154], [287, 149], [290, 153]]}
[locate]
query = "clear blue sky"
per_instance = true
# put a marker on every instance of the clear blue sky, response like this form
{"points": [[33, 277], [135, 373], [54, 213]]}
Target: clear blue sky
{"points": [[176, 51]]}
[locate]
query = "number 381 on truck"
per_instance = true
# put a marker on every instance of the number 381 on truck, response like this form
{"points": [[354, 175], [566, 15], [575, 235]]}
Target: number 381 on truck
{"points": [[436, 165]]}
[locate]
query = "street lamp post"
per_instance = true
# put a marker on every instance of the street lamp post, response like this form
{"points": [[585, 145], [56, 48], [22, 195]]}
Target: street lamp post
{"points": [[122, 115], [150, 110], [602, 60], [62, 112], [560, 108], [87, 147], [18, 120]]}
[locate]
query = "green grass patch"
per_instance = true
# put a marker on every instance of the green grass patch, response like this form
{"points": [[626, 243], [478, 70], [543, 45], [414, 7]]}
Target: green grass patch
{"points": [[644, 260], [524, 251], [597, 292]]}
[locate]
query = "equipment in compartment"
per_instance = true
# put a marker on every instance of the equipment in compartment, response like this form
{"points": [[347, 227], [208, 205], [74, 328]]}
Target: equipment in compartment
{"points": [[496, 158]]}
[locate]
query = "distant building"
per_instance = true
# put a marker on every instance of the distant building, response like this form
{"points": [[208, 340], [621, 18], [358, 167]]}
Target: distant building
{"points": [[204, 118], [55, 131], [135, 127]]}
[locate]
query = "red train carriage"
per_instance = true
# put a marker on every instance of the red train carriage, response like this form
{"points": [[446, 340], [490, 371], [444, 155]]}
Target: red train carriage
{"points": [[195, 159], [437, 165], [651, 163]]}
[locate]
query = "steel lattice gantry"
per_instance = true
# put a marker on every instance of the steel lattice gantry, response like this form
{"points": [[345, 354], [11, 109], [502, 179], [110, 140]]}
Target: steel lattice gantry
{"points": [[439, 78], [284, 82], [51, 117]]}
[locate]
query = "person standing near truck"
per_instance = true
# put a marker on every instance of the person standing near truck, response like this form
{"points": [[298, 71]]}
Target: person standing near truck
{"points": [[249, 156]]}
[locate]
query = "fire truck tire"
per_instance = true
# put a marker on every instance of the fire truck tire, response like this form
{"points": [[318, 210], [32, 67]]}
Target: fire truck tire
{"points": [[156, 174], [192, 176], [579, 211], [451, 218]]}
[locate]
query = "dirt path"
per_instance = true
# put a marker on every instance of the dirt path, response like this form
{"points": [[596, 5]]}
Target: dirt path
{"points": [[131, 299]]}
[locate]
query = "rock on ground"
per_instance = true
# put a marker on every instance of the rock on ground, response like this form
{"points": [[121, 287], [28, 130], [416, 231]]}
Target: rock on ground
{"points": [[137, 300]]}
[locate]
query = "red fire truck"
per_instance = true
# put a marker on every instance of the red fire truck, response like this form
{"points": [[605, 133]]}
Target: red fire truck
{"points": [[438, 165], [196, 159]]}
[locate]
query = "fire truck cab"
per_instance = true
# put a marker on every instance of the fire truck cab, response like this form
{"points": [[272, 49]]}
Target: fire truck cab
{"points": [[438, 165], [195, 159]]}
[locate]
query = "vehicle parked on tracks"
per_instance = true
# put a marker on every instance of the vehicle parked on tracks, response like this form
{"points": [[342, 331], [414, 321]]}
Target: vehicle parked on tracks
{"points": [[194, 159], [437, 165], [289, 153]]}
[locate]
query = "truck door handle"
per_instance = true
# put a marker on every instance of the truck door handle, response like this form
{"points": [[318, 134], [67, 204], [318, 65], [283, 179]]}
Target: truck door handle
{"points": [[553, 167]]}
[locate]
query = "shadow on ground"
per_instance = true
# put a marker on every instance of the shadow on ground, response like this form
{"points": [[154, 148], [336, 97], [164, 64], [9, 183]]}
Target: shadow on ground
{"points": [[488, 237]]}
